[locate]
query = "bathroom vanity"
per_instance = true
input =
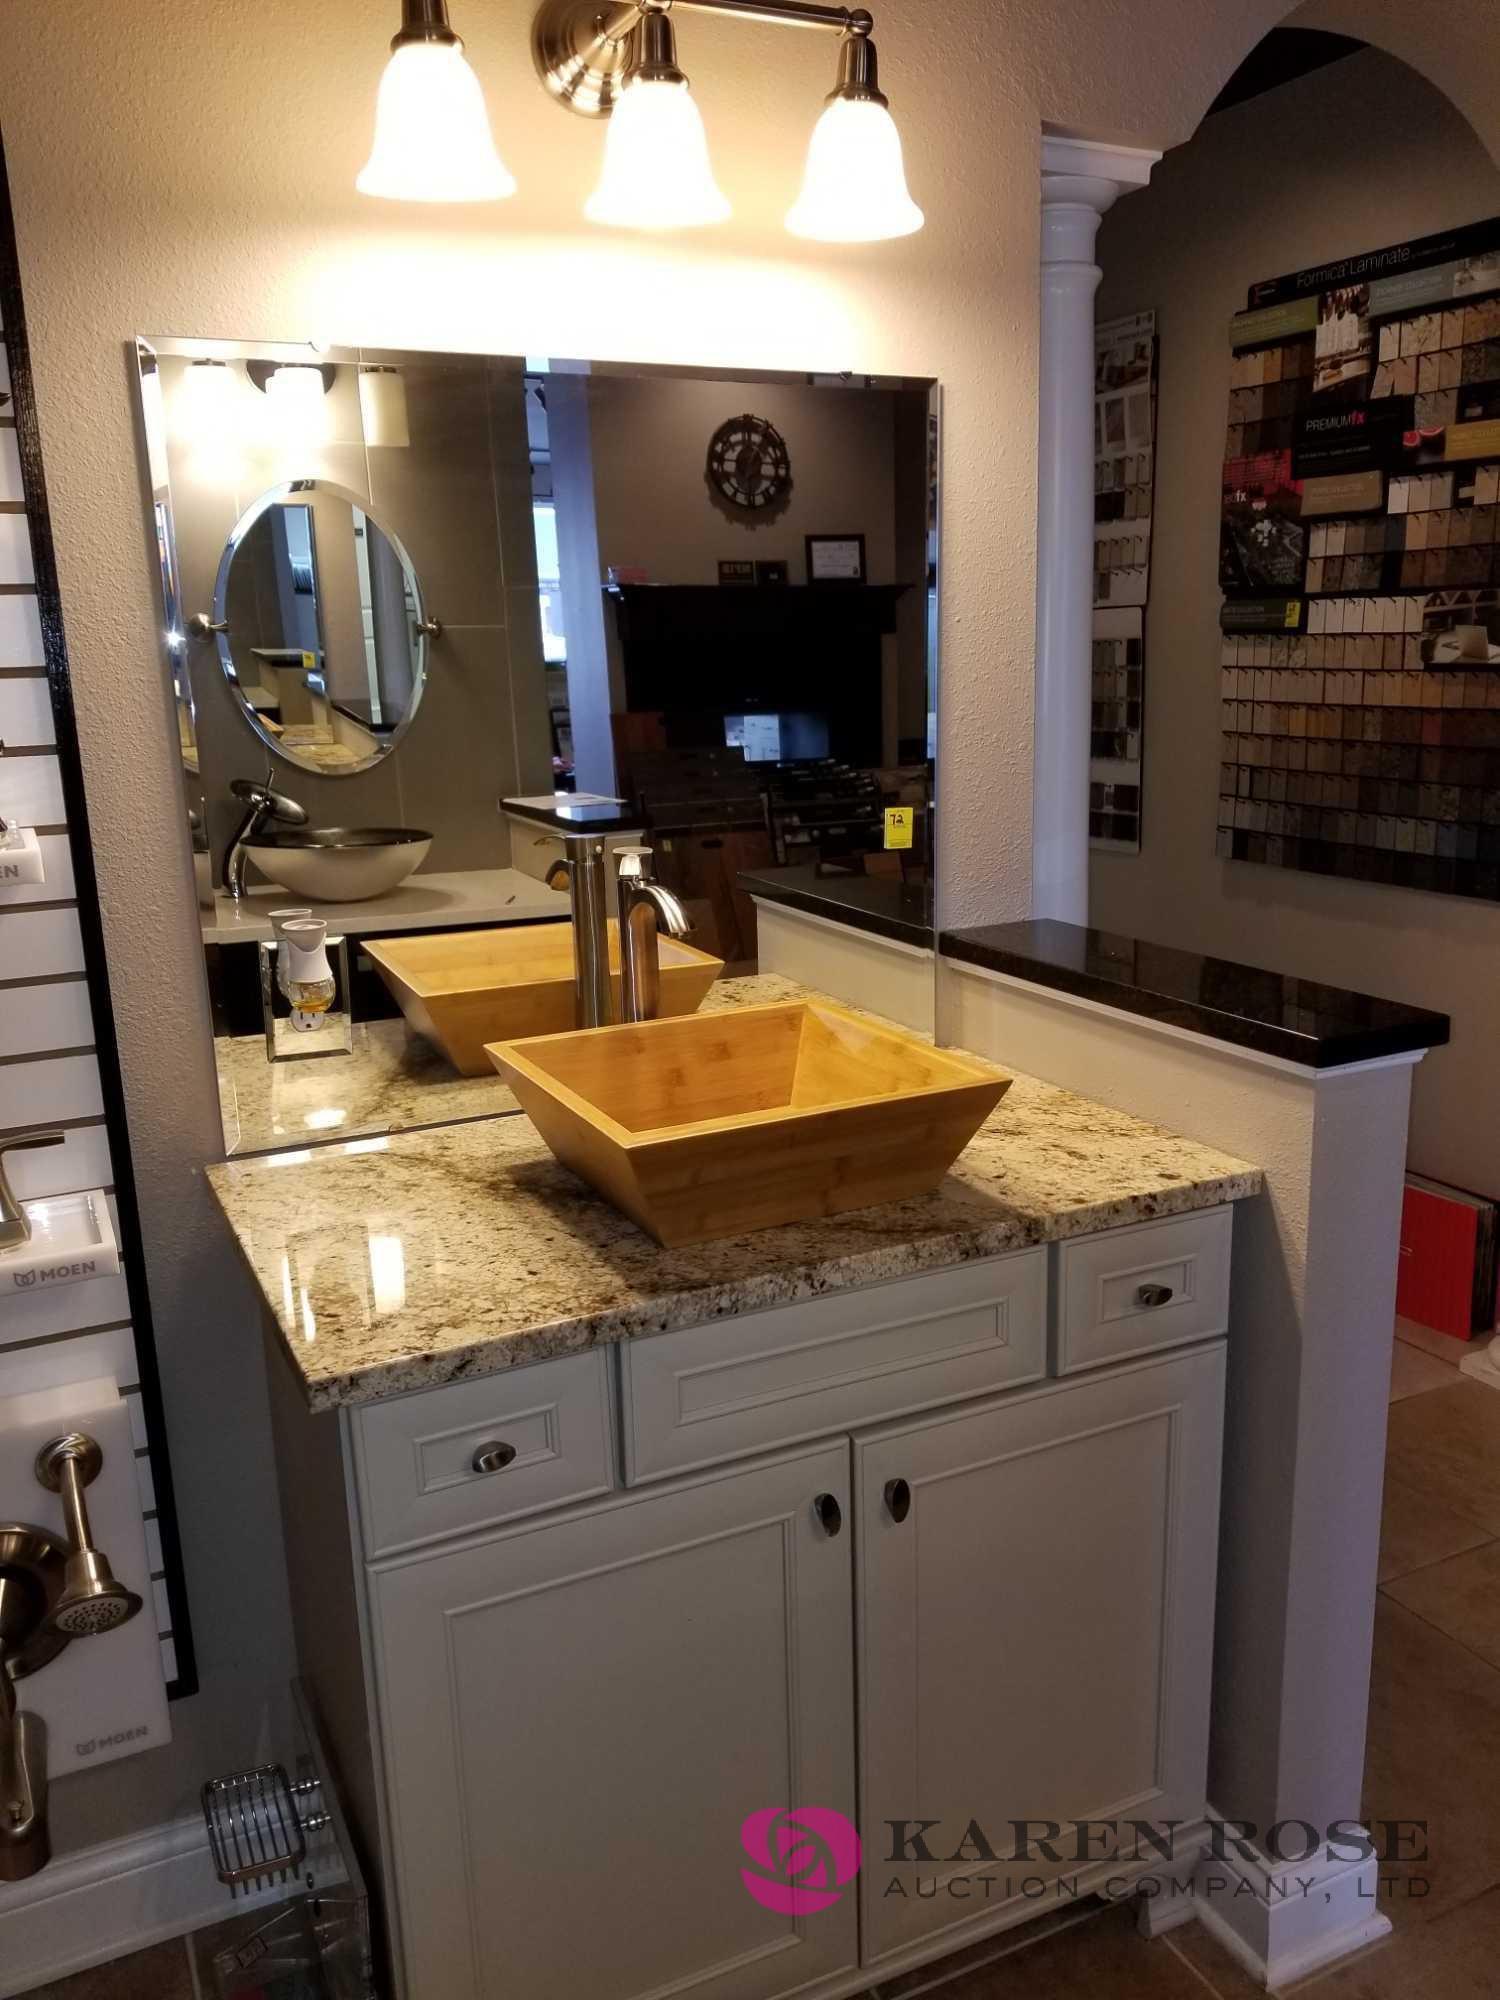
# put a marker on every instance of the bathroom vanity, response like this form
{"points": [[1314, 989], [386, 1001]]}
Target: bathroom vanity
{"points": [[598, 1549]]}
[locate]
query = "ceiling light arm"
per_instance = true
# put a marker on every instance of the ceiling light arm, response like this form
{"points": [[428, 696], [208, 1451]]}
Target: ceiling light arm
{"points": [[583, 50], [857, 21]]}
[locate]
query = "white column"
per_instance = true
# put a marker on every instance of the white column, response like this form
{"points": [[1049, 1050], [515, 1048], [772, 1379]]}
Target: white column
{"points": [[1080, 181]]}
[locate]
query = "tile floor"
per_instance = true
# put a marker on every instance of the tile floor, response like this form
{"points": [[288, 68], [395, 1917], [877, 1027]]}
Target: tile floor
{"points": [[1434, 1754]]}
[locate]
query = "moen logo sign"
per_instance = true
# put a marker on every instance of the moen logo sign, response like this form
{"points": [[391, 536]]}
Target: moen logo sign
{"points": [[56, 1274]]}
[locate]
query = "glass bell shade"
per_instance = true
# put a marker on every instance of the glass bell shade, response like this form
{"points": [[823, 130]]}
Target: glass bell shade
{"points": [[657, 173], [297, 408], [854, 190], [432, 132], [382, 407]]}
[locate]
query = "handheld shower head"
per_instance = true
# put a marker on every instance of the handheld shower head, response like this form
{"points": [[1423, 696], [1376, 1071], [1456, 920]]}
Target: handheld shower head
{"points": [[92, 1599]]}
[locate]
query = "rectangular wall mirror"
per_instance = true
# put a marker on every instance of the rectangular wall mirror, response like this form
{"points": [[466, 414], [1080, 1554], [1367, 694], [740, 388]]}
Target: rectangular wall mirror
{"points": [[413, 602]]}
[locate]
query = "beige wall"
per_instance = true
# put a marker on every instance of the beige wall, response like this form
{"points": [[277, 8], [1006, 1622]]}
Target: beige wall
{"points": [[1357, 156], [191, 168], [654, 505]]}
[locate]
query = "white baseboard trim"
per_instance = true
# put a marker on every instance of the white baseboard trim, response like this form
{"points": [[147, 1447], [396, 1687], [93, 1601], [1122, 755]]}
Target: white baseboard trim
{"points": [[1282, 1921], [86, 1908]]}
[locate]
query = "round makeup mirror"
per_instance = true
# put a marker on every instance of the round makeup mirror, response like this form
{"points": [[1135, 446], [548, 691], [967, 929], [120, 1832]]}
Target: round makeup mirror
{"points": [[320, 627]]}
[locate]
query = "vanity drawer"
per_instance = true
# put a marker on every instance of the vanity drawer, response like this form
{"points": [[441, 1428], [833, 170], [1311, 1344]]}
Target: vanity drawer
{"points": [[415, 1456], [769, 1379], [1132, 1290]]}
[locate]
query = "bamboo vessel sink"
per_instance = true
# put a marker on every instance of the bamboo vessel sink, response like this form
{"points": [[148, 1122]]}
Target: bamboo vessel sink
{"points": [[715, 1124], [466, 988]]}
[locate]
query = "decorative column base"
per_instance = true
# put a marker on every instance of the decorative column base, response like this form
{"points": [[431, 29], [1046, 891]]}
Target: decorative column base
{"points": [[1282, 1920], [1483, 1365]]}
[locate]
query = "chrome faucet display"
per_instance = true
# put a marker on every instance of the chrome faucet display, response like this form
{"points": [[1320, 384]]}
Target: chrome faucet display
{"points": [[262, 805], [646, 909], [50, 1594]]}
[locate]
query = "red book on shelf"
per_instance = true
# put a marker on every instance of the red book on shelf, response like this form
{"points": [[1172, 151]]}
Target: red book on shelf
{"points": [[1446, 1275]]}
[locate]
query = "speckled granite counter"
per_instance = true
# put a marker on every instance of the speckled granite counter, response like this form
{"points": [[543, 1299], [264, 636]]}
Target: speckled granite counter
{"points": [[392, 1081], [395, 1264]]}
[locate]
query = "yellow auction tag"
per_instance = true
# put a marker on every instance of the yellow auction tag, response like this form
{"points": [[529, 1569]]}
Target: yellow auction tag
{"points": [[309, 661], [898, 825], [1291, 618]]}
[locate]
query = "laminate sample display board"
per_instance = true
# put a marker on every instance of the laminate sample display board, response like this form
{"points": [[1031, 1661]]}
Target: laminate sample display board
{"points": [[1124, 483], [1360, 563]]}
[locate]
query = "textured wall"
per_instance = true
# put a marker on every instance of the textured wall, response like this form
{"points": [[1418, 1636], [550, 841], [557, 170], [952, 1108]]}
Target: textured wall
{"points": [[1349, 159], [190, 169]]}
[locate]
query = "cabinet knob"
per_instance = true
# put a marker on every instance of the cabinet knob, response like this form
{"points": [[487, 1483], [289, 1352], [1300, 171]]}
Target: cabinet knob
{"points": [[829, 1513], [897, 1499], [1153, 1295], [493, 1457]]}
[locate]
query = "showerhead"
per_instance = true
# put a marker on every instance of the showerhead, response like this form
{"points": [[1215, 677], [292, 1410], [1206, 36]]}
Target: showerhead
{"points": [[93, 1598]]}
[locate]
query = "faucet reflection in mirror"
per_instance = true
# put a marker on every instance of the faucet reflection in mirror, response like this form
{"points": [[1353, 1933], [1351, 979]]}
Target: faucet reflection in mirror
{"points": [[617, 59]]}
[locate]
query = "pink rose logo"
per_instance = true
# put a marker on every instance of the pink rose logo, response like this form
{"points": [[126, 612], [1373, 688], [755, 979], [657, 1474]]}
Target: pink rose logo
{"points": [[802, 1858]]}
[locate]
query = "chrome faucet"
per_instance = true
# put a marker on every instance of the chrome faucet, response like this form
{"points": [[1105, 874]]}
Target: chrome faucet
{"points": [[646, 909], [15, 1223], [583, 869], [262, 805]]}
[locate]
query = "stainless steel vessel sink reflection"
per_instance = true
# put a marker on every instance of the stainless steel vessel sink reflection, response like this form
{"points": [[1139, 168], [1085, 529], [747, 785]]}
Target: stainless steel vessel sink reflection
{"points": [[339, 864]]}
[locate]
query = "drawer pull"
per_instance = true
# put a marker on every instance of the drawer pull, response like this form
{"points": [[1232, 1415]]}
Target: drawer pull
{"points": [[1153, 1295], [897, 1499], [829, 1513], [493, 1457]]}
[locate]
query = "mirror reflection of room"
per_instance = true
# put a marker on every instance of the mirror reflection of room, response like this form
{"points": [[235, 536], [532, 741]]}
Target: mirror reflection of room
{"points": [[416, 607]]}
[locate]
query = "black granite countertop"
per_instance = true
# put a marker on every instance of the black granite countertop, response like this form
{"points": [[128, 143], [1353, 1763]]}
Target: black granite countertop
{"points": [[1270, 1012], [883, 905]]}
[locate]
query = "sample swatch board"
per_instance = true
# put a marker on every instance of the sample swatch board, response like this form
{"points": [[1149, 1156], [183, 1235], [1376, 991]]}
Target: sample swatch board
{"points": [[1124, 482], [1360, 563]]}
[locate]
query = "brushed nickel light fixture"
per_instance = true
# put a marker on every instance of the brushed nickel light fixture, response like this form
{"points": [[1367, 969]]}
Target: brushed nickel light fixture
{"points": [[617, 59], [432, 132]]}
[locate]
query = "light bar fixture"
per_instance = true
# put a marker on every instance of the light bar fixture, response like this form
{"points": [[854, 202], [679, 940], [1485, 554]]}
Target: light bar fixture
{"points": [[432, 132], [617, 59]]}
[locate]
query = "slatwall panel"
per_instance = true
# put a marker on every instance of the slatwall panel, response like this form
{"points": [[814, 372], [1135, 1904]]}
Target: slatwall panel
{"points": [[57, 1060]]}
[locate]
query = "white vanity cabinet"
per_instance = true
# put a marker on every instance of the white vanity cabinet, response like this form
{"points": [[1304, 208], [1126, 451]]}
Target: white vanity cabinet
{"points": [[858, 1553], [1035, 1595], [579, 1714]]}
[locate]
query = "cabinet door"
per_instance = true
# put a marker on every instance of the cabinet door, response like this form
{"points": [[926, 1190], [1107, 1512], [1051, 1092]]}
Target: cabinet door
{"points": [[578, 1716], [1035, 1635]]}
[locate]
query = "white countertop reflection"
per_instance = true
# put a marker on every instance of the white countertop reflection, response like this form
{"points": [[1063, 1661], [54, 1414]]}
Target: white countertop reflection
{"points": [[424, 902]]}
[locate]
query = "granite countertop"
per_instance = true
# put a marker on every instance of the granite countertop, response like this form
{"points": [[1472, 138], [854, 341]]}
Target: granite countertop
{"points": [[391, 1081], [401, 1263]]}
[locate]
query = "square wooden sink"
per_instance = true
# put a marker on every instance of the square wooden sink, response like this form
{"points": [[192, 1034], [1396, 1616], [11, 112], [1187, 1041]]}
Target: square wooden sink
{"points": [[462, 989], [719, 1123]]}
